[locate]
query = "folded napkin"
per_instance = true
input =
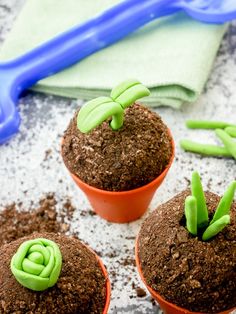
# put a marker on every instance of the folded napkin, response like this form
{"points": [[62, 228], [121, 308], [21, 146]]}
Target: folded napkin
{"points": [[173, 56]]}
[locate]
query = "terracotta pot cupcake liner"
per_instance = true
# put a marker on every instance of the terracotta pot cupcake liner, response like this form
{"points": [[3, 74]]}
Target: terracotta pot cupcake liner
{"points": [[108, 283], [124, 206]]}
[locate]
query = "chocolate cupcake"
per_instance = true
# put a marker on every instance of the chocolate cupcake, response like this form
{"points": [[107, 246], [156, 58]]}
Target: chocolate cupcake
{"points": [[116, 145], [189, 266], [122, 160], [50, 273]]}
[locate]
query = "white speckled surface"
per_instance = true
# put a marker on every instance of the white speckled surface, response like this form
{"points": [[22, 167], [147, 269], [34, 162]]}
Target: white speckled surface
{"points": [[25, 175]]}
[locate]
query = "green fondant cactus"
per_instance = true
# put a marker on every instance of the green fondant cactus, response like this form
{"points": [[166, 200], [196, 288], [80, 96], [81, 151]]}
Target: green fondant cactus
{"points": [[196, 211]]}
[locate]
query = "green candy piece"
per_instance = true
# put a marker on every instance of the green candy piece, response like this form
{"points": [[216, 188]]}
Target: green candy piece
{"points": [[198, 193], [122, 87], [196, 211], [91, 105], [41, 250], [216, 227], [31, 267], [98, 110], [128, 92], [206, 124], [37, 264], [49, 267], [227, 141], [231, 131], [204, 149], [225, 203], [36, 257], [190, 210]]}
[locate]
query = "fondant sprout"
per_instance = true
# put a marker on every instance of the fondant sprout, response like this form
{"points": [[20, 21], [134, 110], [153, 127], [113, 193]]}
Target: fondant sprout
{"points": [[225, 132], [204, 149], [198, 194], [207, 124], [228, 141], [98, 110], [225, 203], [196, 212], [216, 227], [231, 131], [191, 214], [37, 264]]}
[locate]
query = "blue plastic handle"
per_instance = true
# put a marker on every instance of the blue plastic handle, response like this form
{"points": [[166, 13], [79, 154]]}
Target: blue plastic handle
{"points": [[84, 40], [69, 48]]}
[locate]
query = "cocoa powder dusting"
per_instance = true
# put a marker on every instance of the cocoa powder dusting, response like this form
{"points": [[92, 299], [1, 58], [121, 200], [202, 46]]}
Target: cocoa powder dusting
{"points": [[15, 224], [119, 160], [196, 275], [140, 292]]}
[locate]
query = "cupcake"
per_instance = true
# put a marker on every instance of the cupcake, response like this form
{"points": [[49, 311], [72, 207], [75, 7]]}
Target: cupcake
{"points": [[50, 273], [117, 145], [186, 252]]}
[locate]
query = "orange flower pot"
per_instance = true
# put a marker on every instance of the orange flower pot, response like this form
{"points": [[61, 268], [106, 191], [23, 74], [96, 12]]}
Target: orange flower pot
{"points": [[124, 206], [108, 283], [167, 307]]}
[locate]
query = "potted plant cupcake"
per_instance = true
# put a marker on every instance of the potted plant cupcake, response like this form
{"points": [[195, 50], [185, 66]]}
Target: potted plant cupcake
{"points": [[118, 152], [50, 273], [186, 252]]}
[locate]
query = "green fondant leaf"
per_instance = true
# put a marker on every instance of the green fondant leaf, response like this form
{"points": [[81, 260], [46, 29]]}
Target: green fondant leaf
{"points": [[128, 92], [191, 214], [216, 227], [97, 111], [198, 193], [225, 203], [228, 141], [122, 87]]}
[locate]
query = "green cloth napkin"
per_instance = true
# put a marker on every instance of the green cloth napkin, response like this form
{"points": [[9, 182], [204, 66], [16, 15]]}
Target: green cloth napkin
{"points": [[173, 56]]}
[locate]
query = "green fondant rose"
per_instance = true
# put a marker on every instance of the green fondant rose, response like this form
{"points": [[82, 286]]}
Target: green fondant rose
{"points": [[37, 264]]}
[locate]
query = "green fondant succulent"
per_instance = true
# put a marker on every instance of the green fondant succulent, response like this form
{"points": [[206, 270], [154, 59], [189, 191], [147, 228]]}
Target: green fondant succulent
{"points": [[98, 110], [196, 211], [37, 264]]}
